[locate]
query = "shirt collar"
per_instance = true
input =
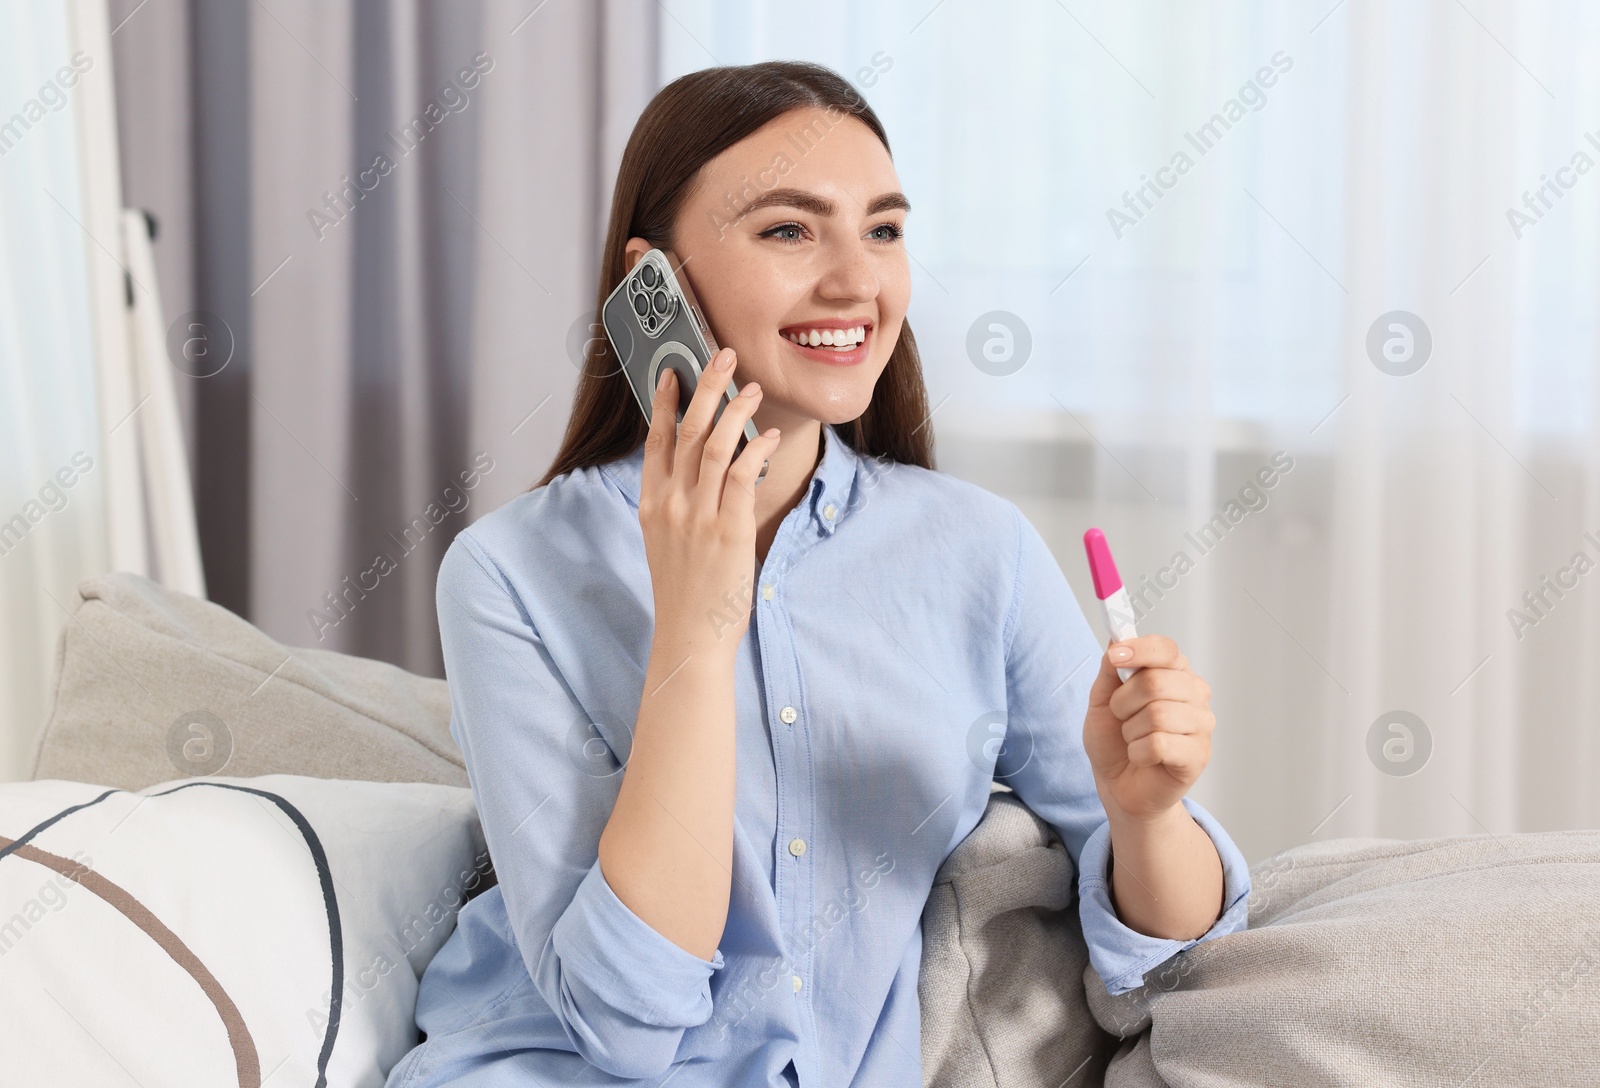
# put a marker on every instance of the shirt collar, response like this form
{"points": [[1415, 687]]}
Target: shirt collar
{"points": [[832, 480], [828, 494]]}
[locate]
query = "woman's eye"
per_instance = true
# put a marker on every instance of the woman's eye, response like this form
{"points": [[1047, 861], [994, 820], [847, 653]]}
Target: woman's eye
{"points": [[794, 232]]}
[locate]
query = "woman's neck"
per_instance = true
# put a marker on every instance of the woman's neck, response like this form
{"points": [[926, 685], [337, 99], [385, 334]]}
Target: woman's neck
{"points": [[788, 475]]}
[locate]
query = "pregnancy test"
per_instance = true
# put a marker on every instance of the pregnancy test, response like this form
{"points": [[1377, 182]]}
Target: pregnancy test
{"points": [[1108, 587]]}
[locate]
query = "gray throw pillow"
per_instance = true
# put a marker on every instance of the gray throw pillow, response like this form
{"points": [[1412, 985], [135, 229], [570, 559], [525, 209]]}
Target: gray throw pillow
{"points": [[1459, 962], [153, 684], [1003, 958]]}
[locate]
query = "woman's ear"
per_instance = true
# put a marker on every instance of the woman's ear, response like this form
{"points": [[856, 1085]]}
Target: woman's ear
{"points": [[636, 248]]}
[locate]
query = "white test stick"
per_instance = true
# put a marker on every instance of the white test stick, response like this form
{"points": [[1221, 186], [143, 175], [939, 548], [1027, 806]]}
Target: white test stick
{"points": [[1112, 593]]}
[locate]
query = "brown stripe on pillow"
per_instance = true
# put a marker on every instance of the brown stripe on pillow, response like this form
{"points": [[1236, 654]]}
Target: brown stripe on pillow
{"points": [[245, 1057]]}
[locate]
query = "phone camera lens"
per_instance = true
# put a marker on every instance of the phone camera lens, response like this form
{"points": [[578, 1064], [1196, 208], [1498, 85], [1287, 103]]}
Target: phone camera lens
{"points": [[661, 302], [641, 305], [648, 275]]}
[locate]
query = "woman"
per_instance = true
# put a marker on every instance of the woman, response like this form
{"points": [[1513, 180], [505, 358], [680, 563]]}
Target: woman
{"points": [[713, 850]]}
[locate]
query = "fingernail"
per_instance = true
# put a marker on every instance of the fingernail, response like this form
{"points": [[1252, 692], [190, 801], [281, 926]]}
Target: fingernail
{"points": [[724, 359], [1121, 653], [750, 390], [770, 432], [661, 382]]}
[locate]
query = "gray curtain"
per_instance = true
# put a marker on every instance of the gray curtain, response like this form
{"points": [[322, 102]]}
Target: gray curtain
{"points": [[392, 213]]}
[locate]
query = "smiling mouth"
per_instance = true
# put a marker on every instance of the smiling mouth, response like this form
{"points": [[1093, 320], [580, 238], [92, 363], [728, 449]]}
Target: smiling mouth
{"points": [[840, 340]]}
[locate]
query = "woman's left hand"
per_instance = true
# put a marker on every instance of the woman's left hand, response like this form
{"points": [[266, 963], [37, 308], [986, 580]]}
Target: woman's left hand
{"points": [[1148, 737]]}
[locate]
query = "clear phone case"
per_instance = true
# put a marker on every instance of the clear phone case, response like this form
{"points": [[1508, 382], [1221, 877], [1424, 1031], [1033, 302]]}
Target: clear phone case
{"points": [[652, 321]]}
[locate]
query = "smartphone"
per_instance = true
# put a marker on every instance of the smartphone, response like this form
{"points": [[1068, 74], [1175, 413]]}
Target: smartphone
{"points": [[652, 321]]}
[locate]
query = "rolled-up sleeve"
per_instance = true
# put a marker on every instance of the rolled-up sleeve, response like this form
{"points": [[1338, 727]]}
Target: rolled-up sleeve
{"points": [[1051, 662], [623, 991], [1122, 956]]}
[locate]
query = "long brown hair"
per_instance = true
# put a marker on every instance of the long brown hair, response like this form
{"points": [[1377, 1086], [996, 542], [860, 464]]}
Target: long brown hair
{"points": [[689, 122]]}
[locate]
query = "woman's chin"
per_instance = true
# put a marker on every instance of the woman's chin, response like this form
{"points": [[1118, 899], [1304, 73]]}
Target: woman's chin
{"points": [[836, 406], [839, 400], [830, 400]]}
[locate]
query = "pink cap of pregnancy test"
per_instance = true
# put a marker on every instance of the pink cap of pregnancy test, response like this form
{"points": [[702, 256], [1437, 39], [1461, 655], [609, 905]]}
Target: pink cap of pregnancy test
{"points": [[1101, 568]]}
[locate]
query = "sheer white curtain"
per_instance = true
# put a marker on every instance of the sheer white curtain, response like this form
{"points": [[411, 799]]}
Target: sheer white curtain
{"points": [[93, 476], [51, 534], [1199, 217]]}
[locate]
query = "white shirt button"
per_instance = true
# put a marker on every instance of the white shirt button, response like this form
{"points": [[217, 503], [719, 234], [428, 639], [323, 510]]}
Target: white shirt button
{"points": [[766, 592], [797, 847], [788, 714], [797, 984], [828, 511]]}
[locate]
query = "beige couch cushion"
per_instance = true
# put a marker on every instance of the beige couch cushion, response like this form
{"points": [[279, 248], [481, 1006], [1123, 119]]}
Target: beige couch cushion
{"points": [[152, 684]]}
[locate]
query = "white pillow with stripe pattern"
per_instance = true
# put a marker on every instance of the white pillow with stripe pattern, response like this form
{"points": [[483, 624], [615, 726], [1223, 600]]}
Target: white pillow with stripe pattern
{"points": [[224, 931]]}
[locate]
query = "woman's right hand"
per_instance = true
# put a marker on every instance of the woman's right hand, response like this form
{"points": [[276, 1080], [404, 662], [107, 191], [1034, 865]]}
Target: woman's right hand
{"points": [[697, 509]]}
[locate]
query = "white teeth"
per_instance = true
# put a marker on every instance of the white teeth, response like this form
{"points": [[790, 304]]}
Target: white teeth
{"points": [[843, 339]]}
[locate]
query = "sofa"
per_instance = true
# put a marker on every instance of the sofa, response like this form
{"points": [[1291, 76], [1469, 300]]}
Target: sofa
{"points": [[190, 761]]}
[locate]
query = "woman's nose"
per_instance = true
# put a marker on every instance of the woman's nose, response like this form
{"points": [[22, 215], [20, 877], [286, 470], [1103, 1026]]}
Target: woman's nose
{"points": [[849, 274]]}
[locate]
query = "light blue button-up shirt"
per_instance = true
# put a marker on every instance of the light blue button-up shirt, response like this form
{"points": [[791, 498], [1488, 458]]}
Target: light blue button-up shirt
{"points": [[912, 640]]}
